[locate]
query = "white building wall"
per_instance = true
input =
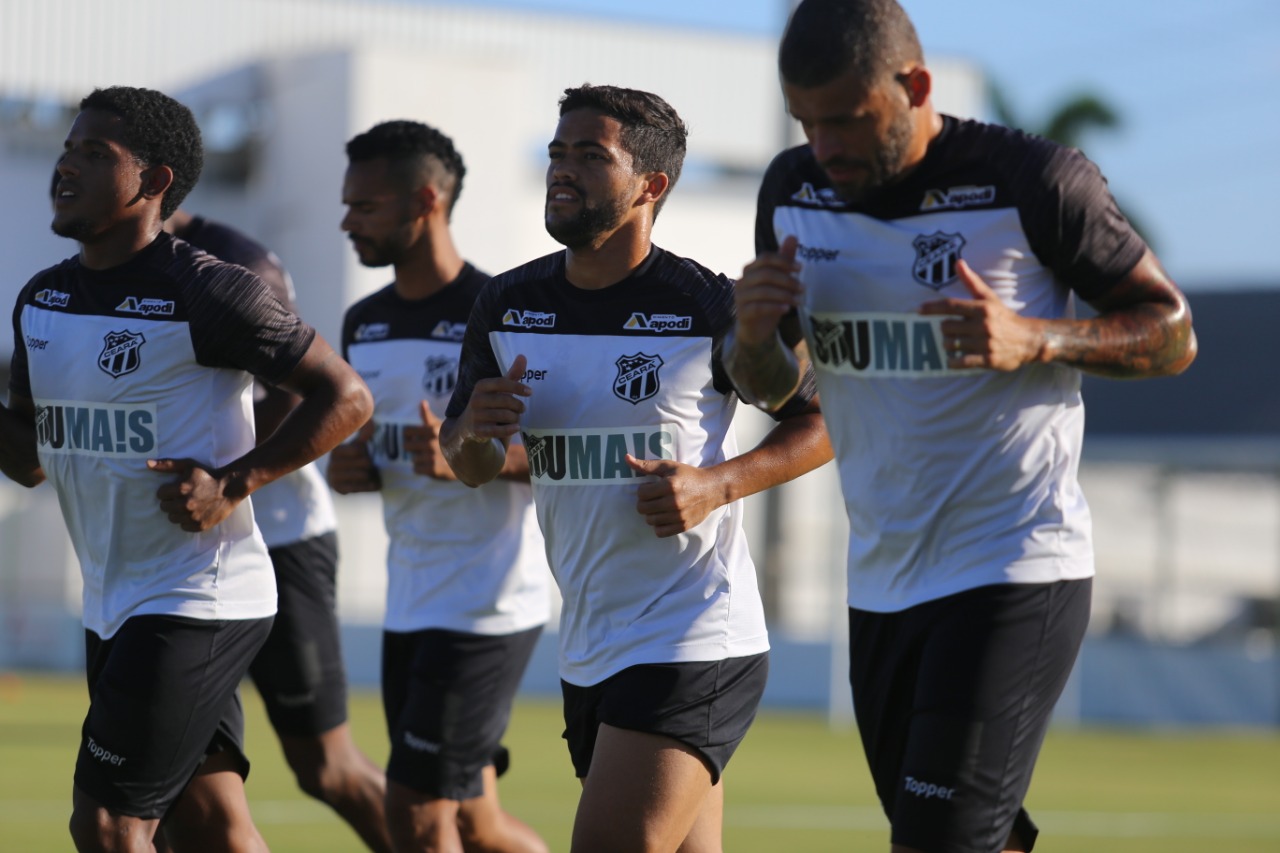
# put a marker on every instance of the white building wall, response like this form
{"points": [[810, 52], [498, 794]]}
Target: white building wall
{"points": [[323, 70]]}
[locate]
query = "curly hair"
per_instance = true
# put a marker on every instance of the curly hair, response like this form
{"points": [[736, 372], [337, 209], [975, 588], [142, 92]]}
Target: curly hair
{"points": [[652, 131], [418, 151], [158, 131]]}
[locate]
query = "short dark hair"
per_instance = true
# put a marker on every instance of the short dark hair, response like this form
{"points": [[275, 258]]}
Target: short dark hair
{"points": [[414, 148], [158, 131], [652, 131], [826, 38]]}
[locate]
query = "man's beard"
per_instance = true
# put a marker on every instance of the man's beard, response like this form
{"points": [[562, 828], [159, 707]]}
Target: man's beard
{"points": [[585, 228], [885, 167], [75, 229], [378, 254]]}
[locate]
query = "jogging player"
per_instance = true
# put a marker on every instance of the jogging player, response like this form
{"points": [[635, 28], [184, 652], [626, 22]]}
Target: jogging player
{"points": [[933, 266], [606, 358], [131, 386], [468, 586]]}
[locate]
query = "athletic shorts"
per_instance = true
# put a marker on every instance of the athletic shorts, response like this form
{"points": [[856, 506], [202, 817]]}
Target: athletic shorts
{"points": [[707, 705], [163, 694], [448, 696], [953, 698], [299, 671]]}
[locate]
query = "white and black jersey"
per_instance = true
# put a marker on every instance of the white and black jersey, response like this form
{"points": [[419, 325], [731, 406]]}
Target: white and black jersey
{"points": [[297, 506], [635, 369], [152, 358], [953, 479], [462, 559]]}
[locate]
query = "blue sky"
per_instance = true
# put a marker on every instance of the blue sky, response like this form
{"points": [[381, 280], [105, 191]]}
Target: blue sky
{"points": [[1196, 83]]}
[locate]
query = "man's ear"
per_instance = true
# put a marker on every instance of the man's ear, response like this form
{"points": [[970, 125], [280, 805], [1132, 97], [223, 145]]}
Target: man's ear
{"points": [[918, 83], [655, 187], [427, 198], [155, 181]]}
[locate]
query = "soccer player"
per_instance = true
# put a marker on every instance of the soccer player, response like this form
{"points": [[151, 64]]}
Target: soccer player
{"points": [[131, 386], [468, 586], [606, 358], [299, 671], [933, 265]]}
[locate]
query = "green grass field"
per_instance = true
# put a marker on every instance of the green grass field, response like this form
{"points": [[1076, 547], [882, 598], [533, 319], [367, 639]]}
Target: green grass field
{"points": [[795, 785]]}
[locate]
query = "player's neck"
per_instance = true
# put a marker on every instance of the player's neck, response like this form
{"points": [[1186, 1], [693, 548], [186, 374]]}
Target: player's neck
{"points": [[599, 265], [116, 246], [428, 269]]}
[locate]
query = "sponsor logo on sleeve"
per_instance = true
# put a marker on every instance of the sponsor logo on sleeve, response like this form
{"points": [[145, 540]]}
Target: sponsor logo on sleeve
{"points": [[875, 345], [639, 321], [637, 378], [53, 298], [121, 353], [445, 330], [96, 429], [528, 319], [146, 307], [372, 332], [36, 343], [956, 198], [936, 256], [595, 457]]}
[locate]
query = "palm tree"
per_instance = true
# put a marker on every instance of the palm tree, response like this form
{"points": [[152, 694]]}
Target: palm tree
{"points": [[1067, 124]]}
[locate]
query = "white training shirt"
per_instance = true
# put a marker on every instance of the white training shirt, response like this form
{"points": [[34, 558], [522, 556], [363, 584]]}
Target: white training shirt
{"points": [[461, 559], [952, 479], [154, 358], [633, 368]]}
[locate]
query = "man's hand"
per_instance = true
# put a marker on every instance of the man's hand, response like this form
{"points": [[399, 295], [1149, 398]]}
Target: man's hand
{"points": [[475, 442], [768, 290], [985, 332], [679, 497], [197, 500], [351, 468], [423, 445], [495, 407]]}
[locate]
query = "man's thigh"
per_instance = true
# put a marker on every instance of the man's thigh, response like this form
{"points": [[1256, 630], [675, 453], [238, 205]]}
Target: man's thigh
{"points": [[163, 694]]}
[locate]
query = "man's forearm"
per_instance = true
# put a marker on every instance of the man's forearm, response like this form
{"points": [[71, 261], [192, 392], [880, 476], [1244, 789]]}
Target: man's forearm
{"points": [[325, 417], [794, 446], [474, 462], [766, 374], [1131, 343]]}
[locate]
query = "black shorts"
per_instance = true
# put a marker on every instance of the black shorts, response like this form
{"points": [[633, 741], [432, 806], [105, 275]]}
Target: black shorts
{"points": [[299, 671], [163, 694], [448, 696], [708, 705], [953, 698]]}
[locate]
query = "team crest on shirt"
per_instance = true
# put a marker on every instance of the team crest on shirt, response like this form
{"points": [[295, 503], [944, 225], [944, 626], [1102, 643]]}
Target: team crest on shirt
{"points": [[121, 353], [936, 257], [441, 375], [637, 377]]}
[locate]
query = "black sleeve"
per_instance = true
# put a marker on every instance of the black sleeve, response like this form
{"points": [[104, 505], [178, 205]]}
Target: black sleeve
{"points": [[477, 360], [236, 322], [1074, 225], [766, 239], [19, 373]]}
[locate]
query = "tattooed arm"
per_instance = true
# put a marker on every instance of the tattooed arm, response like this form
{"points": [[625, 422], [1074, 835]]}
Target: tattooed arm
{"points": [[1142, 329]]}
